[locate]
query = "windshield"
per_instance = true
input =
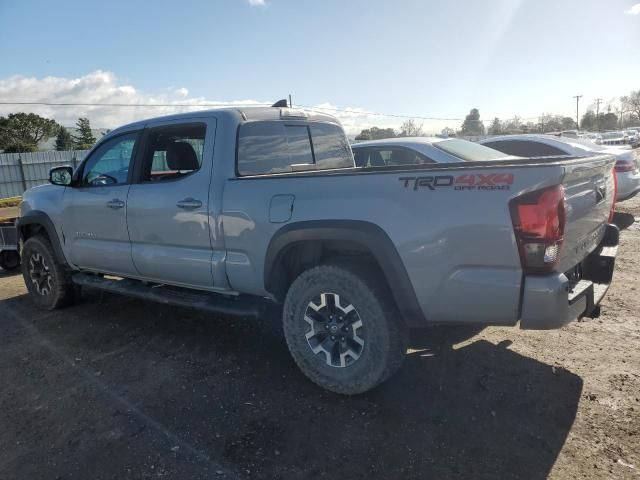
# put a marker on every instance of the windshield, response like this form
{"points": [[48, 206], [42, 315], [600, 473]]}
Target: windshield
{"points": [[469, 151]]}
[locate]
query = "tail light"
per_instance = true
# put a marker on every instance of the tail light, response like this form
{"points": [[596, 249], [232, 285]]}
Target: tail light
{"points": [[615, 195], [538, 221], [625, 166]]}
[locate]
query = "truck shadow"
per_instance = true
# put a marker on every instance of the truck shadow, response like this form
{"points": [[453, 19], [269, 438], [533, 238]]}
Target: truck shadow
{"points": [[623, 220], [229, 389]]}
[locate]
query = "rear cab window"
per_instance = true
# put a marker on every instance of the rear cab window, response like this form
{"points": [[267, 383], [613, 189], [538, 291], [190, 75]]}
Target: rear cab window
{"points": [[270, 147]]}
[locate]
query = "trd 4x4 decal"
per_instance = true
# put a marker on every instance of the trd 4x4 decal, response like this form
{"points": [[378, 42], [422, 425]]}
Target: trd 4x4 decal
{"points": [[490, 181]]}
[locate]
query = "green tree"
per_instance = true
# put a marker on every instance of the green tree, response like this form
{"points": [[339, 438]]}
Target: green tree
{"points": [[63, 140], [375, 133], [472, 124], [496, 127], [588, 121], [23, 132], [85, 139], [410, 129], [448, 132], [608, 121], [568, 123]]}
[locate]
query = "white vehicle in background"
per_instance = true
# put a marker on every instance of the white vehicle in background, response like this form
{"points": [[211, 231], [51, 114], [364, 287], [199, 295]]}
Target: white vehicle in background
{"points": [[627, 160], [633, 137], [613, 138], [420, 150], [593, 137]]}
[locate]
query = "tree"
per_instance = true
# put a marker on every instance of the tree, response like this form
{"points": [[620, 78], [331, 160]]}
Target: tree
{"points": [[589, 121], [448, 132], [550, 123], [496, 127], [608, 121], [85, 139], [513, 125], [24, 131], [472, 124], [64, 140], [410, 129], [631, 103], [568, 123], [375, 133]]}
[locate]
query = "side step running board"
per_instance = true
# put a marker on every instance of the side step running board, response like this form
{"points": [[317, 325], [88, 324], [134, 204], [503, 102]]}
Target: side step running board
{"points": [[242, 306]]}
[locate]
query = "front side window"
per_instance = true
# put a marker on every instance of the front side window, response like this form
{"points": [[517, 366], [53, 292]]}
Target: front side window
{"points": [[173, 151], [109, 164], [276, 147]]}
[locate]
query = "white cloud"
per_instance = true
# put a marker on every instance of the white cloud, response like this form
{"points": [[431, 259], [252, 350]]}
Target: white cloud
{"points": [[182, 92], [98, 87], [258, 3], [101, 87], [633, 10]]}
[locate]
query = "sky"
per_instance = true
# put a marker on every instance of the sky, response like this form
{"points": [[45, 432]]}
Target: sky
{"points": [[409, 58]]}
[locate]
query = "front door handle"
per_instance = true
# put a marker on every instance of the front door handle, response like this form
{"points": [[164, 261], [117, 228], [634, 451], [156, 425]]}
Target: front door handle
{"points": [[189, 203], [115, 204]]}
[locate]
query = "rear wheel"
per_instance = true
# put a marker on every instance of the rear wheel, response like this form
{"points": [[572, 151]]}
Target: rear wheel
{"points": [[342, 329], [9, 259], [47, 281]]}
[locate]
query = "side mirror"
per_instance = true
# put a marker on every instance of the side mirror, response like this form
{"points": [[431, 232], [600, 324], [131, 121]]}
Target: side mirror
{"points": [[61, 176]]}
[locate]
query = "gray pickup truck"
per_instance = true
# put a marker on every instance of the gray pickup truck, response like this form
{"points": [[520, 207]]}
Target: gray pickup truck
{"points": [[233, 209]]}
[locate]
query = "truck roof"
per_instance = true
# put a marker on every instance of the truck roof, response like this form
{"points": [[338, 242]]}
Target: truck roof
{"points": [[242, 114]]}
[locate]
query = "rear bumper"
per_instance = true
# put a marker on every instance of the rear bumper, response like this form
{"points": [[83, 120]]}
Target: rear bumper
{"points": [[551, 301]]}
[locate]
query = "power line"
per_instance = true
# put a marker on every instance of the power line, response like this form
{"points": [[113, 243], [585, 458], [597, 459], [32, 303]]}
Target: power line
{"points": [[65, 104], [212, 105]]}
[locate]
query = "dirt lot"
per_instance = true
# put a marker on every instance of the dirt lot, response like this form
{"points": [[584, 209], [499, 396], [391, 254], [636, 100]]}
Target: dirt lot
{"points": [[117, 388]]}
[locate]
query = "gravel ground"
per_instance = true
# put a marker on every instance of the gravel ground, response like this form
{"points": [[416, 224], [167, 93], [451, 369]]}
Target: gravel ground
{"points": [[118, 388]]}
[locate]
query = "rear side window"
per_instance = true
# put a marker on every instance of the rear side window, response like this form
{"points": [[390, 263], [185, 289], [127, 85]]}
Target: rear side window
{"points": [[277, 147], [330, 146], [388, 156], [523, 148], [468, 151], [173, 151]]}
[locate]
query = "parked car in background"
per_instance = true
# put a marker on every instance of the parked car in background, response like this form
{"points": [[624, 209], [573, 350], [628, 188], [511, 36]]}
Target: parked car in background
{"points": [[593, 137], [613, 138], [627, 160], [420, 150], [633, 137], [570, 133]]}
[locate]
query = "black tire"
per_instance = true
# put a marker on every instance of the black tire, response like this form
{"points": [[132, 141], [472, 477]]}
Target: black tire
{"points": [[51, 288], [383, 332], [9, 260]]}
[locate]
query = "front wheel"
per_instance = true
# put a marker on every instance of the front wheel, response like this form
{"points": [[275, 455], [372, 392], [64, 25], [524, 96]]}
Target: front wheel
{"points": [[48, 282], [342, 329]]}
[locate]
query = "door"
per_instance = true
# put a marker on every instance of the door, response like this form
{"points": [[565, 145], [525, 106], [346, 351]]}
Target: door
{"points": [[167, 210], [94, 212]]}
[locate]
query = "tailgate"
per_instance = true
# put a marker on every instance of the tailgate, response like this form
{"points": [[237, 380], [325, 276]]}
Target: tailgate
{"points": [[590, 193]]}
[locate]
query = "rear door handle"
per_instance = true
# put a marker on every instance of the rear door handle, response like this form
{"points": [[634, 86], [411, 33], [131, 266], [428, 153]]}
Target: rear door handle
{"points": [[189, 203], [115, 204]]}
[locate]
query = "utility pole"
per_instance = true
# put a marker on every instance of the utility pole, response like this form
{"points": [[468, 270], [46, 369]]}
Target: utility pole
{"points": [[290, 104], [577, 97], [598, 102]]}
